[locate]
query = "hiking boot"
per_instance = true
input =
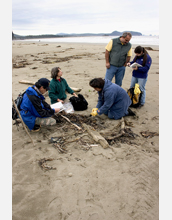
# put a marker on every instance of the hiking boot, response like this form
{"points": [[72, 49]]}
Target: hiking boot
{"points": [[36, 128], [130, 112], [140, 106]]}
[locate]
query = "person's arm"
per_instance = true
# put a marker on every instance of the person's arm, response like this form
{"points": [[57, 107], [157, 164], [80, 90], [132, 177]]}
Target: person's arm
{"points": [[146, 67], [127, 61], [129, 54], [107, 52], [53, 94], [68, 89], [37, 108], [100, 101], [107, 59], [108, 102]]}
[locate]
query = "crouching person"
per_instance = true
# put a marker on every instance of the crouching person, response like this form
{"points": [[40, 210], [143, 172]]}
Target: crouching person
{"points": [[113, 100], [34, 110]]}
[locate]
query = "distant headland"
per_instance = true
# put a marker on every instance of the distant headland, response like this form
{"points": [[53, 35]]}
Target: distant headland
{"points": [[114, 33]]}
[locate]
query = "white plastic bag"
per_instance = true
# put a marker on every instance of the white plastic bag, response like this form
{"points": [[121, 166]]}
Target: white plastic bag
{"points": [[68, 107]]}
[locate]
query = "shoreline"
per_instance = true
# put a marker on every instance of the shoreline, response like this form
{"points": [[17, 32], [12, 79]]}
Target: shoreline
{"points": [[154, 47]]}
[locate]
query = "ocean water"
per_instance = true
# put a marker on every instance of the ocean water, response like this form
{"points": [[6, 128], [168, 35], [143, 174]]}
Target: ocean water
{"points": [[138, 40]]}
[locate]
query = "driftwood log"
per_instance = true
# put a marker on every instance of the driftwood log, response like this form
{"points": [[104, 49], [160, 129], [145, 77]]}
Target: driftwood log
{"points": [[22, 121], [121, 133], [96, 136], [33, 83]]}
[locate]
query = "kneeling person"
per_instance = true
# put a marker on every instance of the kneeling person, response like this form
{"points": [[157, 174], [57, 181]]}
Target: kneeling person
{"points": [[34, 110], [113, 100]]}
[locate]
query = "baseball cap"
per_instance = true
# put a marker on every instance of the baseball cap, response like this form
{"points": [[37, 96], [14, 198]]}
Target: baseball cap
{"points": [[45, 83]]}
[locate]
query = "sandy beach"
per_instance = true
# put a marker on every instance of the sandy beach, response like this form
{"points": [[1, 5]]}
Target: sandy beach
{"points": [[86, 181]]}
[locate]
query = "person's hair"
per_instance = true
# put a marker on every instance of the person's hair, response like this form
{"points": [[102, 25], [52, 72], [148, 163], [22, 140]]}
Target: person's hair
{"points": [[126, 33], [97, 83], [54, 72], [38, 85], [140, 49]]}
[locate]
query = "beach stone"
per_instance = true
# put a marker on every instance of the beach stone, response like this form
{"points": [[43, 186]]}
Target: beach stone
{"points": [[70, 174]]}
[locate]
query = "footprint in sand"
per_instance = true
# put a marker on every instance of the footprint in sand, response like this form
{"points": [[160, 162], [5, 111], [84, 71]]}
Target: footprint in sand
{"points": [[54, 208], [91, 213]]}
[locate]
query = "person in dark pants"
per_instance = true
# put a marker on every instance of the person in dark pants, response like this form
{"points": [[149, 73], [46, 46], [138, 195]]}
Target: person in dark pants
{"points": [[117, 55]]}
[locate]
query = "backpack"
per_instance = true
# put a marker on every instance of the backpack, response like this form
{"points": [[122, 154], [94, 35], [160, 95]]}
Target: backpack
{"points": [[79, 103], [18, 102], [135, 98]]}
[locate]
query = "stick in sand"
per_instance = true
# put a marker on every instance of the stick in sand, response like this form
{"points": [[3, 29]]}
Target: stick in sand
{"points": [[71, 122], [22, 121]]}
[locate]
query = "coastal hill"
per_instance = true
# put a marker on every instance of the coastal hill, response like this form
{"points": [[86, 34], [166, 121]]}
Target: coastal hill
{"points": [[114, 33]]}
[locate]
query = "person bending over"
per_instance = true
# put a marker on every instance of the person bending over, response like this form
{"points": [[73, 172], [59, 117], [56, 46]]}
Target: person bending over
{"points": [[113, 100]]}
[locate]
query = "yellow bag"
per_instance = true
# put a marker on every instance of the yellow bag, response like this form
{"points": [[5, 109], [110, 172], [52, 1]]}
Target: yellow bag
{"points": [[135, 95]]}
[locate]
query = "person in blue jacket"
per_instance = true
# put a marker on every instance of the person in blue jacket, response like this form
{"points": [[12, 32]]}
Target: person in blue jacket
{"points": [[140, 74], [113, 100], [34, 110]]}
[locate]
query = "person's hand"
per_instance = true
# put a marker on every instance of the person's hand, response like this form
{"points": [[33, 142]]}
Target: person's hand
{"points": [[75, 94], [135, 68], [59, 100], [94, 112], [57, 110], [107, 65], [128, 64]]}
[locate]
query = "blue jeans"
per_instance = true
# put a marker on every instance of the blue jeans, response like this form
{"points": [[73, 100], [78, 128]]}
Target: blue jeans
{"points": [[142, 84], [118, 72]]}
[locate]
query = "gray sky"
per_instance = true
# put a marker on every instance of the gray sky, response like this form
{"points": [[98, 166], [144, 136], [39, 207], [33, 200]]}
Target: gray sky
{"points": [[84, 16]]}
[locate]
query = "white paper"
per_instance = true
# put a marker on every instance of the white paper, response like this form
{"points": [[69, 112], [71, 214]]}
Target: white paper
{"points": [[67, 107], [58, 105], [135, 64]]}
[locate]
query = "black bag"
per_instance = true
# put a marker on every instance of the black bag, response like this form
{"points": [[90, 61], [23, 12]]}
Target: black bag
{"points": [[135, 98], [18, 102], [79, 103]]}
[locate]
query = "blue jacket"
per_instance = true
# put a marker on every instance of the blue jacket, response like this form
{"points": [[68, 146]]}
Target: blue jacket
{"points": [[113, 101], [33, 105], [142, 72]]}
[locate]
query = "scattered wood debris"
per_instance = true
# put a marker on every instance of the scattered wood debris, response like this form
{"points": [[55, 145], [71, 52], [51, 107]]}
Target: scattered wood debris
{"points": [[21, 64], [44, 166], [122, 135], [149, 134]]}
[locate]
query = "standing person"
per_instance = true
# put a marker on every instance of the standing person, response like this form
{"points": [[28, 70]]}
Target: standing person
{"points": [[34, 110], [140, 74], [117, 55], [58, 86], [113, 100]]}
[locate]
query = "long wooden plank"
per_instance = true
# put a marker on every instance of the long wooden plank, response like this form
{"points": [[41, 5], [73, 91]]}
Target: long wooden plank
{"points": [[33, 83]]}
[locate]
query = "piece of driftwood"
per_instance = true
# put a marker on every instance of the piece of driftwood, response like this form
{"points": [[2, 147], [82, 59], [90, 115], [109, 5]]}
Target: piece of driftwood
{"points": [[27, 82], [76, 89], [96, 136], [61, 149], [148, 134], [33, 83], [44, 166], [22, 121], [123, 131], [79, 128]]}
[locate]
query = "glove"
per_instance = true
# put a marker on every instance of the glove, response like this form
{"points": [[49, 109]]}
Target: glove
{"points": [[94, 112]]}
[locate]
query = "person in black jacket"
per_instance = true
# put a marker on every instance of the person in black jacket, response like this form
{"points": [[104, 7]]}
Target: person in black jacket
{"points": [[34, 110]]}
